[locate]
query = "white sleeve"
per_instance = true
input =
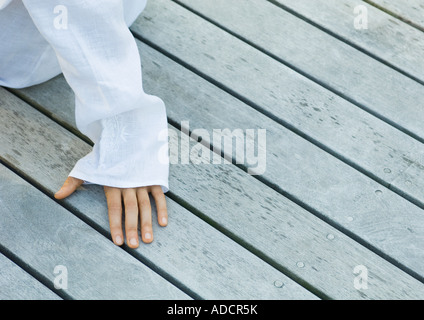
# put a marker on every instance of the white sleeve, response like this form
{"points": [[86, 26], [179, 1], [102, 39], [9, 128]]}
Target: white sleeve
{"points": [[4, 3], [100, 60]]}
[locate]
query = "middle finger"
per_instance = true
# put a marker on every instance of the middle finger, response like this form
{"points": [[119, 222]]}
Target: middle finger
{"points": [[131, 216]]}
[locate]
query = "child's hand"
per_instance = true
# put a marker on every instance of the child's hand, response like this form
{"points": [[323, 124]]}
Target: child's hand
{"points": [[136, 201]]}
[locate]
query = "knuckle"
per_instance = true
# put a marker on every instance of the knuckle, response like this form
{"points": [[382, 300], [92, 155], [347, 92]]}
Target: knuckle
{"points": [[115, 230], [144, 202], [131, 230], [163, 213], [147, 228], [131, 205], [114, 208]]}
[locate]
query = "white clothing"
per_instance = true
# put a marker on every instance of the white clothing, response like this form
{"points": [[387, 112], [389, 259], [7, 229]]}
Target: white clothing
{"points": [[90, 43]]}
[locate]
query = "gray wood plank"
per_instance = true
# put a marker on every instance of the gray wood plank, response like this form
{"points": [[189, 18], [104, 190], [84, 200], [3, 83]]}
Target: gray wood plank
{"points": [[283, 233], [196, 255], [44, 236], [383, 90], [16, 284], [363, 141], [306, 173], [387, 38], [343, 69], [410, 11]]}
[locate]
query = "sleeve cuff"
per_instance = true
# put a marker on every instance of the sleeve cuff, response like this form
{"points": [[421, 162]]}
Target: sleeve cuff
{"points": [[131, 151]]}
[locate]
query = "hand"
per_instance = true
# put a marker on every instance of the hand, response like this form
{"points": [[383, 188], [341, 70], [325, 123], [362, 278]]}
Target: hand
{"points": [[136, 201]]}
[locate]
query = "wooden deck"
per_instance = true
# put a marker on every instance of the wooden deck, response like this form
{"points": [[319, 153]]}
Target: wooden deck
{"points": [[344, 180]]}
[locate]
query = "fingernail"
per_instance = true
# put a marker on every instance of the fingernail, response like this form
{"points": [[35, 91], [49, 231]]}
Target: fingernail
{"points": [[118, 240], [147, 236], [133, 241], [164, 220]]}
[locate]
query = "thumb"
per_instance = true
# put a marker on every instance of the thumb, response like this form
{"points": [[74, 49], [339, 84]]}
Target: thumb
{"points": [[70, 185]]}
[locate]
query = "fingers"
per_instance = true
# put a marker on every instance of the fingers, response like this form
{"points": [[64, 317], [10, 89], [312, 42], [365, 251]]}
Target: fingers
{"points": [[70, 185], [114, 205], [145, 215], [161, 209], [131, 216], [136, 204]]}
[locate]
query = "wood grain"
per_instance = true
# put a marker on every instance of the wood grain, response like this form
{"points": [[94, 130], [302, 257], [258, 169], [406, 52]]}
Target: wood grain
{"points": [[391, 40], [298, 168], [202, 260], [44, 235], [16, 284]]}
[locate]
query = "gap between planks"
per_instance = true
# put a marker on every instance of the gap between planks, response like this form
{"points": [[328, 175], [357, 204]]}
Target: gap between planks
{"points": [[351, 43]]}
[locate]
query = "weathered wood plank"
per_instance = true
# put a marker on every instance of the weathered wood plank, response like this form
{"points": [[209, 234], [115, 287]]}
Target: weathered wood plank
{"points": [[387, 38], [198, 256], [306, 173], [348, 71], [283, 233], [16, 284], [44, 236], [410, 11], [361, 79], [376, 148]]}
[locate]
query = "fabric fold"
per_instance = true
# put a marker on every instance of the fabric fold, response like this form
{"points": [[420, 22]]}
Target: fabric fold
{"points": [[91, 44], [4, 3]]}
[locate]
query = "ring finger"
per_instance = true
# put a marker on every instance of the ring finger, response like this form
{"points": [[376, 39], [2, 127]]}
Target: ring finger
{"points": [[145, 215]]}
